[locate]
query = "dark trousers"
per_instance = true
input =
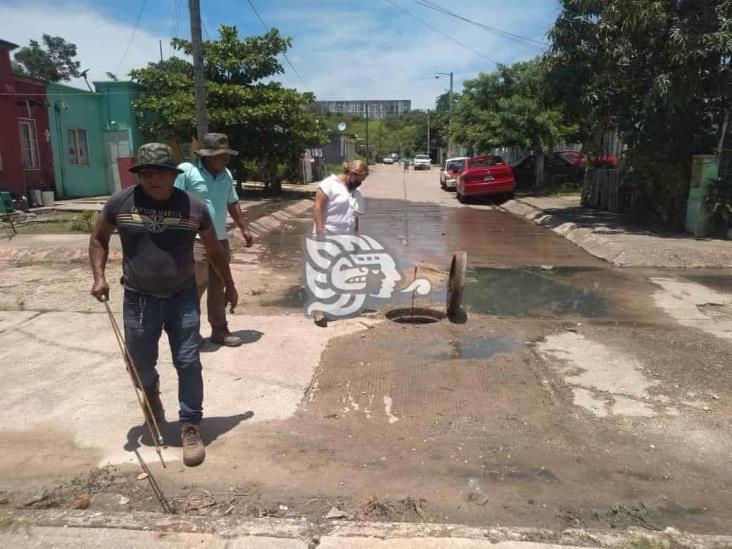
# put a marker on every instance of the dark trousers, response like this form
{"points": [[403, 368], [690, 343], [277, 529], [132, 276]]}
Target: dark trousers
{"points": [[145, 317], [207, 279]]}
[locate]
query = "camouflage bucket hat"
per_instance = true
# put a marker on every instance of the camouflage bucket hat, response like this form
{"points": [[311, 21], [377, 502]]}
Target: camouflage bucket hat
{"points": [[155, 156], [214, 144]]}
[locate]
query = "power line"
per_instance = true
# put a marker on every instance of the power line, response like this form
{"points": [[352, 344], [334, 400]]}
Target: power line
{"points": [[174, 29], [476, 52], [134, 31], [254, 9], [500, 32]]}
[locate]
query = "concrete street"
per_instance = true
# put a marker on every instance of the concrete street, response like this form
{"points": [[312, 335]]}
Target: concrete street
{"points": [[576, 395]]}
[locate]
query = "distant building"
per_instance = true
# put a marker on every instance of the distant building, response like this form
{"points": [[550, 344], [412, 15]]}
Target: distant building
{"points": [[377, 109]]}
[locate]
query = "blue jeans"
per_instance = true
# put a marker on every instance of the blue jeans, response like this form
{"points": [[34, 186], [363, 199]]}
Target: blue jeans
{"points": [[145, 317]]}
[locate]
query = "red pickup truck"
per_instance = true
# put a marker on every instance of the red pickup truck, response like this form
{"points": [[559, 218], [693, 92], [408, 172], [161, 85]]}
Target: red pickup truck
{"points": [[485, 176]]}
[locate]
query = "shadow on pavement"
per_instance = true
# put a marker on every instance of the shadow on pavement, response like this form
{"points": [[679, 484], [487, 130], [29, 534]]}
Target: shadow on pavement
{"points": [[246, 336], [211, 429]]}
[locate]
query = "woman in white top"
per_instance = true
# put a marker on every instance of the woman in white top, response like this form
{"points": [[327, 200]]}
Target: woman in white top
{"points": [[337, 206], [338, 202]]}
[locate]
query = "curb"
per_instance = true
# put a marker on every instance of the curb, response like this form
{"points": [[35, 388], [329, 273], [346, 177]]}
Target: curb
{"points": [[27, 255], [608, 247], [268, 223], [230, 528]]}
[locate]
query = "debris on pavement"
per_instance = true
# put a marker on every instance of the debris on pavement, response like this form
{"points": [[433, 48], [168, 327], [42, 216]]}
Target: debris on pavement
{"points": [[336, 513], [82, 501]]}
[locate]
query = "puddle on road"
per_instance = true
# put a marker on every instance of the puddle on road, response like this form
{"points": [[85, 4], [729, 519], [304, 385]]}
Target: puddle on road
{"points": [[529, 292], [717, 282], [478, 348]]}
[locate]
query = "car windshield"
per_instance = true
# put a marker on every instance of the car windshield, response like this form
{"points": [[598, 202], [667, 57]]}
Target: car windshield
{"points": [[454, 165], [484, 162], [421, 157]]}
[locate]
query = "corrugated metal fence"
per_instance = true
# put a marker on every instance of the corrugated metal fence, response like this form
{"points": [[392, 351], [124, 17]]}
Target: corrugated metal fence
{"points": [[603, 190]]}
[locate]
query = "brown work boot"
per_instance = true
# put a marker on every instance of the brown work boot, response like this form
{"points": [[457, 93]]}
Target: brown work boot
{"points": [[193, 450], [153, 397], [227, 339]]}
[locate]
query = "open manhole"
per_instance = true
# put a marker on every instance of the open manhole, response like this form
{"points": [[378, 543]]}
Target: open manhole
{"points": [[417, 315]]}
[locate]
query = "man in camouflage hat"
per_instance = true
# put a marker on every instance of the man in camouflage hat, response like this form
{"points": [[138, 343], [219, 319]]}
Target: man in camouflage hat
{"points": [[157, 226], [208, 178]]}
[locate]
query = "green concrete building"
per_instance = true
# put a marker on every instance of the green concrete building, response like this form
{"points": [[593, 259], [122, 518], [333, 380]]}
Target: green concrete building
{"points": [[89, 132]]}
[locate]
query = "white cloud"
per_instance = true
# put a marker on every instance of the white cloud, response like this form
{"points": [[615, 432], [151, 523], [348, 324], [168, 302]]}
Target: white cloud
{"points": [[343, 49], [100, 42], [380, 52]]}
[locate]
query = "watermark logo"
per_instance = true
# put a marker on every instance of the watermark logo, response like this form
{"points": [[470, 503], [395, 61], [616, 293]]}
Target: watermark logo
{"points": [[345, 272]]}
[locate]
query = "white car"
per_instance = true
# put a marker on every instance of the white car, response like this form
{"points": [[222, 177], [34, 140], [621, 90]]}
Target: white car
{"points": [[422, 162], [388, 160], [450, 172]]}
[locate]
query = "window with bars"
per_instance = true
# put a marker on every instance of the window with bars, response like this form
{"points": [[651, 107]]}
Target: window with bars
{"points": [[78, 148], [29, 144]]}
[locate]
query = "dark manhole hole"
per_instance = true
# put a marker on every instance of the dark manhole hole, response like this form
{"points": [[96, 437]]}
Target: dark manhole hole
{"points": [[416, 315]]}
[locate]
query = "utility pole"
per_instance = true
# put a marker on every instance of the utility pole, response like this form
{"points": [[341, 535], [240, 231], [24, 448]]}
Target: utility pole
{"points": [[428, 133], [160, 43], [368, 156], [449, 123], [194, 9], [449, 107], [381, 152]]}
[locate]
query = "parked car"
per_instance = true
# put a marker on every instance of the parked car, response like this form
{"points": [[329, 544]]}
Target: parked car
{"points": [[388, 160], [422, 162], [450, 171], [573, 157], [559, 168], [485, 176]]}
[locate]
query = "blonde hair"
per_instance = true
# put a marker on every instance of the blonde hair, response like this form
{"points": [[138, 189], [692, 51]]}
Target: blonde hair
{"points": [[356, 166]]}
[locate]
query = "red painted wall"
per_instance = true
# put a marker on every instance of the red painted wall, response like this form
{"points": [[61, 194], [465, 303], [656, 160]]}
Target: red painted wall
{"points": [[22, 98]]}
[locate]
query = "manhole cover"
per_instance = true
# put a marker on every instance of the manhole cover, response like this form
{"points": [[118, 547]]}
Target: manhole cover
{"points": [[456, 283], [416, 315]]}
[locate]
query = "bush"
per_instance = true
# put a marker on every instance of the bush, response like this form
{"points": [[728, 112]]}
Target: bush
{"points": [[83, 223], [660, 186], [719, 205]]}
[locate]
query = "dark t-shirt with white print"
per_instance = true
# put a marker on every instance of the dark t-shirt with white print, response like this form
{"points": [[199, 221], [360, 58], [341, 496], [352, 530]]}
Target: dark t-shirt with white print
{"points": [[157, 238]]}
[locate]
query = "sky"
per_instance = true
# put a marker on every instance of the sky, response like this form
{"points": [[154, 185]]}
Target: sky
{"points": [[342, 49]]}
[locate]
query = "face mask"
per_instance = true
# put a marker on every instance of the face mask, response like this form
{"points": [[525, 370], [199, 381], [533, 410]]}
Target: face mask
{"points": [[354, 184]]}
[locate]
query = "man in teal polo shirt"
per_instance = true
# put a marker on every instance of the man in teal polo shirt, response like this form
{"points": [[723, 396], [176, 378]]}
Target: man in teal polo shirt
{"points": [[208, 178]]}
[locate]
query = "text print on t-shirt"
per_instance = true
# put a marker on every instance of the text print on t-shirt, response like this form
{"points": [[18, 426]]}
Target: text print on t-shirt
{"points": [[157, 221]]}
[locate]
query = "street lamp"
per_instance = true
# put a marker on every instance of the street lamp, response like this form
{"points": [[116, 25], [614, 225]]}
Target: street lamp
{"points": [[449, 123]]}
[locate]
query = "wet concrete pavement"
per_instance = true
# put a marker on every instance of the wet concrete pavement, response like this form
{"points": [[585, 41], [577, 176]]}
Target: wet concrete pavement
{"points": [[575, 395], [570, 398]]}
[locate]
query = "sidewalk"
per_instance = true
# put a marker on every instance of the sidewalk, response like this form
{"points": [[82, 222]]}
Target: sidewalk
{"points": [[96, 203], [611, 237], [263, 216], [134, 529]]}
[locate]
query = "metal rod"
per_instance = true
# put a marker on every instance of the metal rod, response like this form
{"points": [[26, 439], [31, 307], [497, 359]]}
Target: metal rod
{"points": [[147, 413], [154, 485], [413, 291]]}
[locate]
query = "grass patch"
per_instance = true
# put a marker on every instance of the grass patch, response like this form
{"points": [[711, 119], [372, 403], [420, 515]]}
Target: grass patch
{"points": [[58, 223]]}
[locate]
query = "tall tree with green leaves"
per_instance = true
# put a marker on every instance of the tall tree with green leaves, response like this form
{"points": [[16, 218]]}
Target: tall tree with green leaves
{"points": [[656, 70], [509, 107], [52, 61], [267, 122]]}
